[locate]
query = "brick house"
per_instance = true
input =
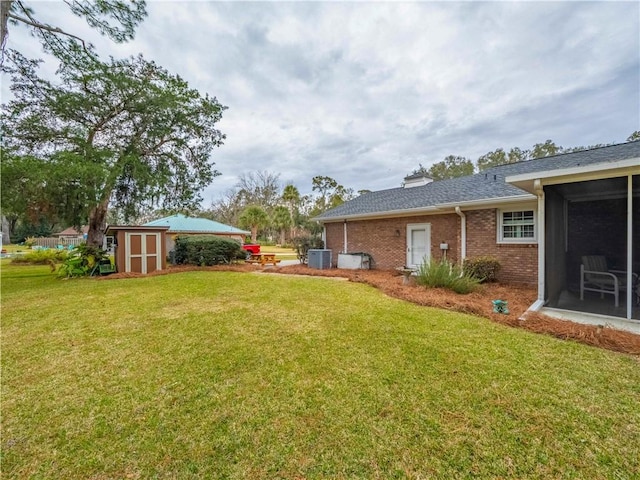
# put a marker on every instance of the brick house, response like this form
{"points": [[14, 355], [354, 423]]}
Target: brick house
{"points": [[538, 217]]}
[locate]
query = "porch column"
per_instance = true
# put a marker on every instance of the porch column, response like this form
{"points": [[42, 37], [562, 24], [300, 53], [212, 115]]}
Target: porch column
{"points": [[537, 185], [629, 245]]}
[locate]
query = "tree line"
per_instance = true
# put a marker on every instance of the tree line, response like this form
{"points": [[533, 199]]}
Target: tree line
{"points": [[457, 166], [262, 205]]}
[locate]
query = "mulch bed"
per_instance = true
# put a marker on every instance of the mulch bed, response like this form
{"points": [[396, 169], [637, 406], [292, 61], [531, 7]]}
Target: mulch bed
{"points": [[479, 303]]}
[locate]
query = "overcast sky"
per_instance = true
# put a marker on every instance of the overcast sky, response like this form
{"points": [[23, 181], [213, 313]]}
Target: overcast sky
{"points": [[364, 92]]}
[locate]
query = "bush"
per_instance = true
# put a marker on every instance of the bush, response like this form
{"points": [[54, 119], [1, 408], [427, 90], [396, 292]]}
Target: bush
{"points": [[446, 275], [483, 268], [45, 256], [303, 244], [206, 250], [81, 261], [30, 241]]}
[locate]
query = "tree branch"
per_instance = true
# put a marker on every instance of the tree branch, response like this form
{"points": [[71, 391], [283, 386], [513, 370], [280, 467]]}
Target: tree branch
{"points": [[42, 26]]}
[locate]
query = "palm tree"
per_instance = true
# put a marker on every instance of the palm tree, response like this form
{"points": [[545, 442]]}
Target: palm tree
{"points": [[281, 220], [253, 218], [291, 195]]}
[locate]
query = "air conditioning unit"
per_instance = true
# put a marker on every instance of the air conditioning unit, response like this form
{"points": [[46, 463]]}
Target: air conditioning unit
{"points": [[319, 258], [354, 261]]}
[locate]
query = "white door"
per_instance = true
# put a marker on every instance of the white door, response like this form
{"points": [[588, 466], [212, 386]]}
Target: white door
{"points": [[418, 244]]}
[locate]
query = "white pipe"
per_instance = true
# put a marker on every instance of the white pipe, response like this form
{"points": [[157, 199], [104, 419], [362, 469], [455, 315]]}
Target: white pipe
{"points": [[344, 249], [537, 186], [463, 234], [629, 245]]}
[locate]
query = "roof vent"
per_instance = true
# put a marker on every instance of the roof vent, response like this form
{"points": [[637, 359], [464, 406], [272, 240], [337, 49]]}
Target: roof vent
{"points": [[416, 180]]}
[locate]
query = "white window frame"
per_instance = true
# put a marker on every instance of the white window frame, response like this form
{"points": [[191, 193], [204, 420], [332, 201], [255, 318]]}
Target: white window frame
{"points": [[501, 238]]}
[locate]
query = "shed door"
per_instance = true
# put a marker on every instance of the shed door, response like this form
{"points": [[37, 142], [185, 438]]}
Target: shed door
{"points": [[143, 252], [418, 244]]}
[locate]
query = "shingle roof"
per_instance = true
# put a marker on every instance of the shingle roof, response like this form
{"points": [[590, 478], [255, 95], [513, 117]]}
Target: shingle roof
{"points": [[488, 185], [612, 153], [72, 232], [181, 223]]}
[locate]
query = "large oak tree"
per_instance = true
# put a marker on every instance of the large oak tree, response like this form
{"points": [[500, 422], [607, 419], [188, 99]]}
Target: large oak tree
{"points": [[126, 133]]}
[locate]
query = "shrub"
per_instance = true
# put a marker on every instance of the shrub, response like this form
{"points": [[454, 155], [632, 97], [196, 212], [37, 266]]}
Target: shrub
{"points": [[206, 250], [30, 241], [303, 244], [484, 268], [445, 275], [81, 261], [46, 256]]}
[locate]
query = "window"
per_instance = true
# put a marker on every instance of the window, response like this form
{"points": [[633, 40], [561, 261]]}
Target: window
{"points": [[517, 226]]}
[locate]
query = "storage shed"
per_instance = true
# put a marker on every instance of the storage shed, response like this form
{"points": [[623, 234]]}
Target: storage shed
{"points": [[139, 249]]}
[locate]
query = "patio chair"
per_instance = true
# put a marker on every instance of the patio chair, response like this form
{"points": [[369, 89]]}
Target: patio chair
{"points": [[595, 276]]}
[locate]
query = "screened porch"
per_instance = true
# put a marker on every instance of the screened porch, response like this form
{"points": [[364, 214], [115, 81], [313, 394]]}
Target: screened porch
{"points": [[587, 225]]}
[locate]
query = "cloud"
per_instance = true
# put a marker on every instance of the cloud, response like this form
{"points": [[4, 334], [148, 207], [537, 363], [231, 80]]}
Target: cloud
{"points": [[365, 91]]}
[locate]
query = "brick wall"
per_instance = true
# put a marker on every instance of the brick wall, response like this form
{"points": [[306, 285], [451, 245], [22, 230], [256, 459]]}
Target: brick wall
{"points": [[519, 261], [598, 228], [386, 241]]}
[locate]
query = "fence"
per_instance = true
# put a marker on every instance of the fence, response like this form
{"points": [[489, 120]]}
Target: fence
{"points": [[53, 242]]}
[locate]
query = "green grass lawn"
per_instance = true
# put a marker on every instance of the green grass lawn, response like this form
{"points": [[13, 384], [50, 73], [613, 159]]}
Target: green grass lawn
{"points": [[238, 375], [13, 249]]}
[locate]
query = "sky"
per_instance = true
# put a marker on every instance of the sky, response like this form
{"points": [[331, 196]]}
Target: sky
{"points": [[365, 92]]}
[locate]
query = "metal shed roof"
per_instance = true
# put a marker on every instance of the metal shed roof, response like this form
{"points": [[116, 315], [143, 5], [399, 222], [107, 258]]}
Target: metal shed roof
{"points": [[184, 224]]}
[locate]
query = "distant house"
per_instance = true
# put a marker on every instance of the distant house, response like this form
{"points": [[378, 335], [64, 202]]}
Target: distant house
{"points": [[182, 225], [72, 232], [540, 218]]}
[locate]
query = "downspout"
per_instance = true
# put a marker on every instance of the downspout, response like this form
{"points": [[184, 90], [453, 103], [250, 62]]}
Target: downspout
{"points": [[463, 234], [539, 190], [629, 245], [344, 249]]}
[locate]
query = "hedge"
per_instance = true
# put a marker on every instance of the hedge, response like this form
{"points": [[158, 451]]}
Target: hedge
{"points": [[205, 250]]}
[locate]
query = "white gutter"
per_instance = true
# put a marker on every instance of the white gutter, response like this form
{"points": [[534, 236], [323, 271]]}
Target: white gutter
{"points": [[488, 202], [388, 213], [463, 234], [537, 186], [344, 249]]}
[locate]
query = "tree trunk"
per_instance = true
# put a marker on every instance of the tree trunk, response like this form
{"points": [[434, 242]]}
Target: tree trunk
{"points": [[97, 224], [6, 231], [254, 234], [5, 6], [283, 236]]}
